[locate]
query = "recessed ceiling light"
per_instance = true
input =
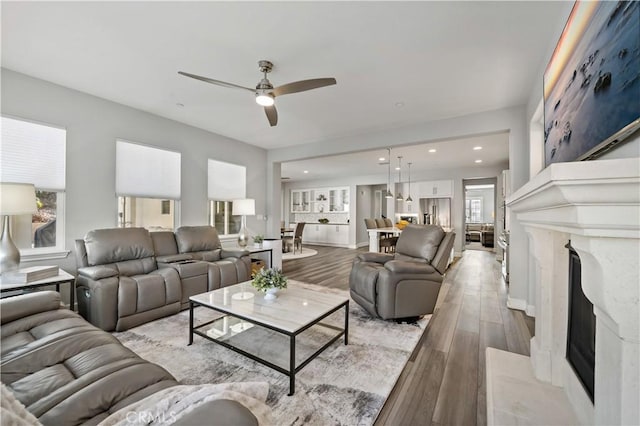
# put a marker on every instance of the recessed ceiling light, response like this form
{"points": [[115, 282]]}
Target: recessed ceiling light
{"points": [[179, 104], [306, 171], [399, 104], [381, 159], [478, 161], [477, 148], [432, 150]]}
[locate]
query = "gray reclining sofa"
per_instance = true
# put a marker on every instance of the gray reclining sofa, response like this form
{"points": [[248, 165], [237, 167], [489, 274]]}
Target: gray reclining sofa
{"points": [[68, 372], [129, 276]]}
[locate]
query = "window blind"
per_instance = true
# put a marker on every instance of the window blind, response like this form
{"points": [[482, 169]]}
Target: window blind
{"points": [[33, 153], [144, 171], [226, 181]]}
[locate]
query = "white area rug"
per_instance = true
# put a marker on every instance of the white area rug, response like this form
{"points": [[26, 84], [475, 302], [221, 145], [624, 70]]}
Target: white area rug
{"points": [[344, 385], [306, 252]]}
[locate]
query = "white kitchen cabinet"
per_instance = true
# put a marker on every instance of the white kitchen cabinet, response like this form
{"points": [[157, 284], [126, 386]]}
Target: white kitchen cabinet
{"points": [[326, 234], [300, 201], [435, 189], [320, 201], [339, 200]]}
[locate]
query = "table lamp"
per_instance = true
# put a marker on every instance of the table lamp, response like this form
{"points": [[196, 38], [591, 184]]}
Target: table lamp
{"points": [[15, 199], [246, 207]]}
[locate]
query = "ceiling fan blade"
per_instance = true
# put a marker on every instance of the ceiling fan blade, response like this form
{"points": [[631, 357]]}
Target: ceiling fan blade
{"points": [[303, 85], [217, 82], [272, 114]]}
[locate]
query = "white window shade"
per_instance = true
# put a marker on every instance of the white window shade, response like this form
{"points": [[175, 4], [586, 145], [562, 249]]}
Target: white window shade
{"points": [[143, 171], [33, 153], [226, 181]]}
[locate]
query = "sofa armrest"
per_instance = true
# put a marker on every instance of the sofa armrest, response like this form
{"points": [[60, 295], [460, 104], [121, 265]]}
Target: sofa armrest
{"points": [[234, 253], [98, 272], [374, 257], [170, 258], [406, 267], [13, 308]]}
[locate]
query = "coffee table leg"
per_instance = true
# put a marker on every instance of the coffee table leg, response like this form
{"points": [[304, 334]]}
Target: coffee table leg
{"points": [[346, 323], [292, 365], [190, 323]]}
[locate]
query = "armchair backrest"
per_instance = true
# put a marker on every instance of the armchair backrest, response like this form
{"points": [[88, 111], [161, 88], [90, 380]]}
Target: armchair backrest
{"points": [[419, 242]]}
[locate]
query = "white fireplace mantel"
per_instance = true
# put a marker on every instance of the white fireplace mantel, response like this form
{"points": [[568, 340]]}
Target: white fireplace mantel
{"points": [[595, 205]]}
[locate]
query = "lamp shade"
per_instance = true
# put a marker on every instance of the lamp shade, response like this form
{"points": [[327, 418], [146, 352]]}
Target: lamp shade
{"points": [[17, 198], [246, 207]]}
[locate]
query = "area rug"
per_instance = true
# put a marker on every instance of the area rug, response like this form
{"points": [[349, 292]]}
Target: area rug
{"points": [[344, 385], [306, 252]]}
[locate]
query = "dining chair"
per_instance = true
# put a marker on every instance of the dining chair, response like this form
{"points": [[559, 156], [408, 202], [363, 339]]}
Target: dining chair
{"points": [[296, 239]]}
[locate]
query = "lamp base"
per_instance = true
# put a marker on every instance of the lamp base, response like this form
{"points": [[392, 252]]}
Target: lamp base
{"points": [[243, 234], [9, 253]]}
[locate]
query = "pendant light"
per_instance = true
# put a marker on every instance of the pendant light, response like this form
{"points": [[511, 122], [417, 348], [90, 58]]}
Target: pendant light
{"points": [[388, 194], [399, 197], [409, 200]]}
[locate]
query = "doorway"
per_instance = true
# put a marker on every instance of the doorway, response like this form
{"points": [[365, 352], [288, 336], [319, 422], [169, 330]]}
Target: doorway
{"points": [[480, 213]]}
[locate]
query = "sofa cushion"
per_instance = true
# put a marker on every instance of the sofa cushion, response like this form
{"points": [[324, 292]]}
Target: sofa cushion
{"points": [[117, 245], [420, 241], [164, 243], [197, 238]]}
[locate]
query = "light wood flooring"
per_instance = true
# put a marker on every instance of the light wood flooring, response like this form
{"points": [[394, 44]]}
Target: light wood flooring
{"points": [[443, 382]]}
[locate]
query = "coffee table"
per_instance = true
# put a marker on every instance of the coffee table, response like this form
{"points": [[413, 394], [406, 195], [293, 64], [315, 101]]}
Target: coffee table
{"points": [[294, 311]]}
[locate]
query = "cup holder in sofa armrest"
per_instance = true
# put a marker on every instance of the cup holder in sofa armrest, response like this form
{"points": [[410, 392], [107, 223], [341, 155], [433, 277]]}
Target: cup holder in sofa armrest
{"points": [[187, 267]]}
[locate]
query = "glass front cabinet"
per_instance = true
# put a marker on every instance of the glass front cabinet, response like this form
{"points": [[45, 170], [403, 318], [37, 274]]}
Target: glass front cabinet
{"points": [[300, 201], [339, 200]]}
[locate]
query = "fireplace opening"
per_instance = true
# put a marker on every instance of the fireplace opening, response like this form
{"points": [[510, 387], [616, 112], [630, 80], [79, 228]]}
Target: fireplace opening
{"points": [[581, 335]]}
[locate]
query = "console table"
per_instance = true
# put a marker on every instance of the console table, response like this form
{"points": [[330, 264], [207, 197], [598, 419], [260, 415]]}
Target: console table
{"points": [[63, 277]]}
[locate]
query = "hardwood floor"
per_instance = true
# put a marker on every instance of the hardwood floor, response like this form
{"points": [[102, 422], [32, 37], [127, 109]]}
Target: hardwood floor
{"points": [[443, 382]]}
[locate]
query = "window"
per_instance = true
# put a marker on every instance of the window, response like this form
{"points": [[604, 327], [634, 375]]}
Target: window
{"points": [[226, 182], [147, 185], [473, 210], [36, 153]]}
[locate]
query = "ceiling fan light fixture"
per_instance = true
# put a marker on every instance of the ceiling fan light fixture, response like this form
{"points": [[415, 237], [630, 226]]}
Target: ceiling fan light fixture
{"points": [[265, 99]]}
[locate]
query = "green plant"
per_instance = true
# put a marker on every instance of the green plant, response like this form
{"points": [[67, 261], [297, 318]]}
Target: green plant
{"points": [[265, 279], [258, 239], [323, 220]]}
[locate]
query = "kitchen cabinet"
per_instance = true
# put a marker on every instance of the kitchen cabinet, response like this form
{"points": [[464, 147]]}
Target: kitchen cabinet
{"points": [[320, 201], [300, 201], [435, 189], [326, 234], [339, 200]]}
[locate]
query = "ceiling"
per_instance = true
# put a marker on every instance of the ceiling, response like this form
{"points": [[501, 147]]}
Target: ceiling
{"points": [[449, 154], [396, 63]]}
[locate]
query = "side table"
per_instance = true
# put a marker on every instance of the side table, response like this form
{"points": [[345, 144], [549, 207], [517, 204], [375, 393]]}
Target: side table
{"points": [[63, 277]]}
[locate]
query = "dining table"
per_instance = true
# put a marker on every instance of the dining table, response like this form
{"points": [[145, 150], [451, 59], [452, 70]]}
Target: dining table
{"points": [[374, 236]]}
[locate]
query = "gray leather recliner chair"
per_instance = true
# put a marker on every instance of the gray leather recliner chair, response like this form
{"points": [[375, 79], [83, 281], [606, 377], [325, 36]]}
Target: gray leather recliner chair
{"points": [[405, 284]]}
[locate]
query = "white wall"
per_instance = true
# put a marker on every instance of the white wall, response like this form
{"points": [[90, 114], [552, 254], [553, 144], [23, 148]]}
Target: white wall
{"points": [[364, 209], [93, 125]]}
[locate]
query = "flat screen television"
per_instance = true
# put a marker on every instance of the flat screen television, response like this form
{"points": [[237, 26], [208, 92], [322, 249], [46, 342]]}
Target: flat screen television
{"points": [[592, 83]]}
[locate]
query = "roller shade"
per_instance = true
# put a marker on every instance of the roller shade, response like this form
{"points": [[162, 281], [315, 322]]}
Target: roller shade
{"points": [[143, 171], [33, 153], [226, 181]]}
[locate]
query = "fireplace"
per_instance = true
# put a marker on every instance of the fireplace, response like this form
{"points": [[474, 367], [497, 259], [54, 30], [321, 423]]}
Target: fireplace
{"points": [[581, 331], [595, 205]]}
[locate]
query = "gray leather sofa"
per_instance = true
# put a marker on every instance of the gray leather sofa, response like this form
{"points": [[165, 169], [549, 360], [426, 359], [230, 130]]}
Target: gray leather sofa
{"points": [[405, 284], [128, 276], [68, 372]]}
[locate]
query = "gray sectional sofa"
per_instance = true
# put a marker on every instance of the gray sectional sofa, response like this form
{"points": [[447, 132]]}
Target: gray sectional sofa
{"points": [[129, 276], [67, 372]]}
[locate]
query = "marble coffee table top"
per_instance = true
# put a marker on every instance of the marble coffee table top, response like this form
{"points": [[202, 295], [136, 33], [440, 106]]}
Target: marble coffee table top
{"points": [[293, 309]]}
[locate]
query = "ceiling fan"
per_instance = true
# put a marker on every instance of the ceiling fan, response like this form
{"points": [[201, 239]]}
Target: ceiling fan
{"points": [[265, 93]]}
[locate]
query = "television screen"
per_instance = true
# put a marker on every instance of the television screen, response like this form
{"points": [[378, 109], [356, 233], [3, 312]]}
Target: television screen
{"points": [[592, 83]]}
